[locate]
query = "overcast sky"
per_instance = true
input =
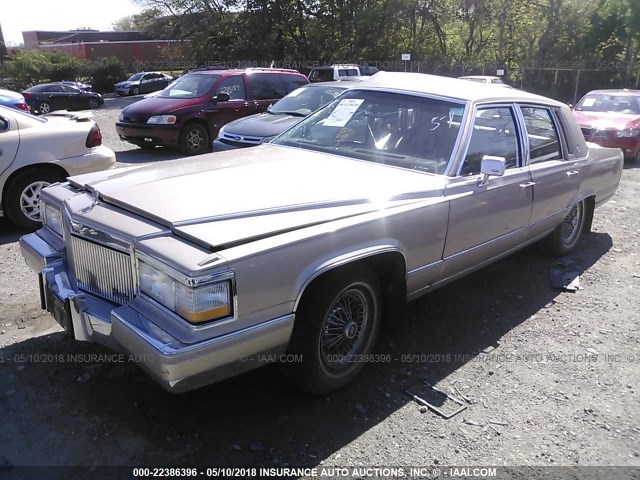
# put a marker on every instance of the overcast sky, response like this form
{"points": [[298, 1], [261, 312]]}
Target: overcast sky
{"points": [[17, 16]]}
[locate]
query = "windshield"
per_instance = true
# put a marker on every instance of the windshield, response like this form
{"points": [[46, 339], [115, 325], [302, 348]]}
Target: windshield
{"points": [[135, 77], [190, 86], [305, 100], [406, 131], [602, 102]]}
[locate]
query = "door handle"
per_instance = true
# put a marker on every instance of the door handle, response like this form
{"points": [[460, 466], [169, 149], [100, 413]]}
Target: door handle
{"points": [[527, 185], [572, 173]]}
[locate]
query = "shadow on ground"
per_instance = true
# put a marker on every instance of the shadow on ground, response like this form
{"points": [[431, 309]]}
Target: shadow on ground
{"points": [[117, 416]]}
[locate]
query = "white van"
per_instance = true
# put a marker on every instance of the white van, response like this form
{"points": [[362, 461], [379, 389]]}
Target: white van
{"points": [[336, 72]]}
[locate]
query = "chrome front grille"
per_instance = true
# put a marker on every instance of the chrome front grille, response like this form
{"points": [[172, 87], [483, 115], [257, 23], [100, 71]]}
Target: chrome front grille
{"points": [[102, 271]]}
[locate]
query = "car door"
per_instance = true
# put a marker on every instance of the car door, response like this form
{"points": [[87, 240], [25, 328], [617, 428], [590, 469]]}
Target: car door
{"points": [[75, 98], [9, 141], [238, 106], [486, 218], [57, 97], [556, 178]]}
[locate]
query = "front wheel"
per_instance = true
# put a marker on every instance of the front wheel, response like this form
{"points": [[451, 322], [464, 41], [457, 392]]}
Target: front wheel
{"points": [[22, 199], [93, 103], [567, 235], [134, 91], [194, 139], [336, 327]]}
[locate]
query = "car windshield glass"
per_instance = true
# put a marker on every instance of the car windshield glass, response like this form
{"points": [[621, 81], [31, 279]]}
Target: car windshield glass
{"points": [[190, 86], [135, 77], [602, 102], [305, 100], [407, 131]]}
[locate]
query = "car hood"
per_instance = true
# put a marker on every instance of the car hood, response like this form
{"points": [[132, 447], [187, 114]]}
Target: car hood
{"points": [[261, 191], [606, 120], [261, 125], [158, 106]]}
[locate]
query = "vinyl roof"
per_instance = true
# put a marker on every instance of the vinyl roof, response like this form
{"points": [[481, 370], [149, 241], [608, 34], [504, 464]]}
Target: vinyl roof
{"points": [[452, 87]]}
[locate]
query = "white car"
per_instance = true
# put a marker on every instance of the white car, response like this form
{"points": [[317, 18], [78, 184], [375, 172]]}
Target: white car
{"points": [[38, 151]]}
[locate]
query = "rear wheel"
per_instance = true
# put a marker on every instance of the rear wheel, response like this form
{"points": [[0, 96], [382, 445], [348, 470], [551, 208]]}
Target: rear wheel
{"points": [[336, 325], [44, 108], [23, 195], [194, 139], [566, 236], [636, 159]]}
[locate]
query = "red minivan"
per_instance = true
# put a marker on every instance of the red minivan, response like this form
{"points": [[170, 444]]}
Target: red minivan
{"points": [[190, 111]]}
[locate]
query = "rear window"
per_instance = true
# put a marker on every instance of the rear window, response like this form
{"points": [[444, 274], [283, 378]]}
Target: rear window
{"points": [[321, 75]]}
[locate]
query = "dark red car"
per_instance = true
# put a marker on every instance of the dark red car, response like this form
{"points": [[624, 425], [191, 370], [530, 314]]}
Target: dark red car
{"points": [[189, 112], [611, 118]]}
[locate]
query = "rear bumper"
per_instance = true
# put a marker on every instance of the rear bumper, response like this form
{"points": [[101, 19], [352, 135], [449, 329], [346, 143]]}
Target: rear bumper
{"points": [[176, 366], [98, 158], [164, 135]]}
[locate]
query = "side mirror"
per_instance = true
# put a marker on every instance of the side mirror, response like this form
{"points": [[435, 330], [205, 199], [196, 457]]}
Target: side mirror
{"points": [[221, 97], [491, 167]]}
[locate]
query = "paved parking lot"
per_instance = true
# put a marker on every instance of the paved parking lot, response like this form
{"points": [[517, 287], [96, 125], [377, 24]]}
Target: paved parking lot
{"points": [[550, 378]]}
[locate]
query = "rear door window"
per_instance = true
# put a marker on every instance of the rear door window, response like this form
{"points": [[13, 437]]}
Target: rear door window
{"points": [[544, 143], [266, 86], [292, 82]]}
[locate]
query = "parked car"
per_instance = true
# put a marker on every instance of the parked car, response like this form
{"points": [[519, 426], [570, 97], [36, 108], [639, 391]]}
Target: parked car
{"points": [[611, 118], [38, 151], [189, 113], [13, 100], [338, 71], [263, 127], [484, 79], [143, 82], [47, 97], [228, 261]]}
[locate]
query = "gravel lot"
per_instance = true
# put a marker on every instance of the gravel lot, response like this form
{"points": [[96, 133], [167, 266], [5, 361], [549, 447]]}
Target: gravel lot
{"points": [[550, 377]]}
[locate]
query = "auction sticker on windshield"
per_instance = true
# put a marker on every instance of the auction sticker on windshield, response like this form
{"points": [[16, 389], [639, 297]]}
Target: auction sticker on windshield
{"points": [[343, 112]]}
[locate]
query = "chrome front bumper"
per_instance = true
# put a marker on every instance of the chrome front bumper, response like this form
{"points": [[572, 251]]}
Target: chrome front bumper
{"points": [[129, 329]]}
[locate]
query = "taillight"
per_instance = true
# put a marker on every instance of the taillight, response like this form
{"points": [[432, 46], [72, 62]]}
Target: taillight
{"points": [[23, 106], [94, 139], [27, 96]]}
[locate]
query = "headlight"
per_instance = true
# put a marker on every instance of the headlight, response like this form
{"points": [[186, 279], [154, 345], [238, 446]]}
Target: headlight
{"points": [[628, 133], [121, 117], [195, 304], [162, 119], [268, 139], [51, 216]]}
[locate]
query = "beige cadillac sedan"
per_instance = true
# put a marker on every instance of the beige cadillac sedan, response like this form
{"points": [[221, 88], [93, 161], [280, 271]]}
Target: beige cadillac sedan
{"points": [[208, 266]]}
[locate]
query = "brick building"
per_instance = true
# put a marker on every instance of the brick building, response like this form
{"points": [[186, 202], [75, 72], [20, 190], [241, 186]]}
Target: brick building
{"points": [[130, 47]]}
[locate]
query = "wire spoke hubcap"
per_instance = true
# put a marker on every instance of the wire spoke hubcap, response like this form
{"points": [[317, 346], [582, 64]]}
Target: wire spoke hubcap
{"points": [[344, 328], [30, 200], [572, 224]]}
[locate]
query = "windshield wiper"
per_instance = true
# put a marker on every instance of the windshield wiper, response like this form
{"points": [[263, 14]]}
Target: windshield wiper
{"points": [[293, 114]]}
